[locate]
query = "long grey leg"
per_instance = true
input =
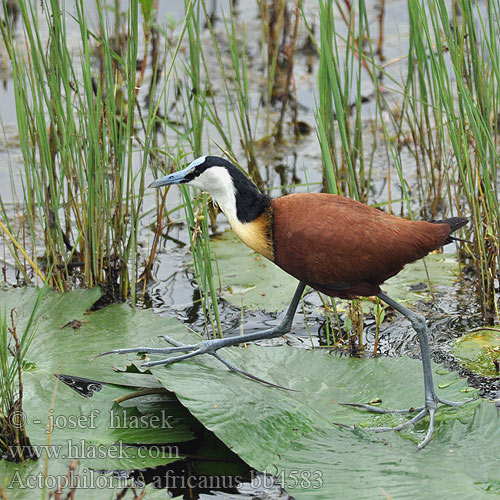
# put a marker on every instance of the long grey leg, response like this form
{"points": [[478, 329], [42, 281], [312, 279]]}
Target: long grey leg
{"points": [[431, 400], [418, 323], [213, 345]]}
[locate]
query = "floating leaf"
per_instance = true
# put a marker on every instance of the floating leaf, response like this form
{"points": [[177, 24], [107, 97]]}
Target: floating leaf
{"points": [[96, 431], [294, 434], [479, 352]]}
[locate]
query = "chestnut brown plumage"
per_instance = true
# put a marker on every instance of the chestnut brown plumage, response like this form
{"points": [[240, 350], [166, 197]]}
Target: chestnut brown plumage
{"points": [[346, 249], [333, 244]]}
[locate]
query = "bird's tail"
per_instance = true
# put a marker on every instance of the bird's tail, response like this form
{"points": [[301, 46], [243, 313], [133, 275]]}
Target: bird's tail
{"points": [[455, 223]]}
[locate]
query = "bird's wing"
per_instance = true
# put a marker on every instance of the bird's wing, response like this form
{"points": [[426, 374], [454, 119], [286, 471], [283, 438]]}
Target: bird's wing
{"points": [[336, 243]]}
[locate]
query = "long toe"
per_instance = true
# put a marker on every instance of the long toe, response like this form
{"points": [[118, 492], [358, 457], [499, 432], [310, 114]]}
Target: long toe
{"points": [[172, 341], [175, 359], [401, 427], [456, 404], [148, 350], [377, 409], [430, 430], [422, 412]]}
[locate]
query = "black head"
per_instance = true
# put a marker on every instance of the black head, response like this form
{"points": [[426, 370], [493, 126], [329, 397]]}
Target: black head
{"points": [[230, 187]]}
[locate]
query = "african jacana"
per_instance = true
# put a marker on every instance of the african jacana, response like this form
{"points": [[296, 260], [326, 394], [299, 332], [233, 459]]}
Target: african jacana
{"points": [[333, 244]]}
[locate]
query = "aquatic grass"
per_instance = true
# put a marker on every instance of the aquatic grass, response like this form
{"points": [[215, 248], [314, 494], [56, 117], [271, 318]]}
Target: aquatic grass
{"points": [[456, 80], [82, 185], [237, 95], [199, 236], [242, 109], [197, 210], [192, 108], [82, 125], [379, 315], [15, 248], [199, 106], [447, 119], [344, 59], [421, 114], [14, 442], [339, 88], [340, 103]]}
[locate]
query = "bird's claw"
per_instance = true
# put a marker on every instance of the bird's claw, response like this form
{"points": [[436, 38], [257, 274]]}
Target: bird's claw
{"points": [[191, 350], [204, 347], [429, 409]]}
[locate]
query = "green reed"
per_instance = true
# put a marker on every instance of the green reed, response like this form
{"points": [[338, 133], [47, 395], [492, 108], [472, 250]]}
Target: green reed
{"points": [[339, 89], [342, 65], [447, 118], [456, 80], [83, 188], [197, 211], [85, 162], [234, 73]]}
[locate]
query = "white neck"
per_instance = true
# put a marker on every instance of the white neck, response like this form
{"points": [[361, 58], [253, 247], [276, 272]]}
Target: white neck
{"points": [[218, 182]]}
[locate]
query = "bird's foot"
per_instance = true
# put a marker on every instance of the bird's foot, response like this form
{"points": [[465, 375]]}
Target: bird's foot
{"points": [[191, 350], [421, 412], [204, 347]]}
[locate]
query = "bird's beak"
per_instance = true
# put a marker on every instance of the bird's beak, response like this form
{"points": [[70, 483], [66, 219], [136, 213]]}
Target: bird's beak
{"points": [[175, 178]]}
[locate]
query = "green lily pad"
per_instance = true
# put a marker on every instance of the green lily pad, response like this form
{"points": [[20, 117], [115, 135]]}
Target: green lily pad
{"points": [[340, 468], [226, 402], [96, 431], [57, 347], [479, 352], [293, 433], [90, 434]]}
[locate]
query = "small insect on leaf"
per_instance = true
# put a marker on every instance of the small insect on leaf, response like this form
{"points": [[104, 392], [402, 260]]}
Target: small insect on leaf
{"points": [[74, 323]]}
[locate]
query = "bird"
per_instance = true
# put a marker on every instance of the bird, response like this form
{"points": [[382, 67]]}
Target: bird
{"points": [[333, 244]]}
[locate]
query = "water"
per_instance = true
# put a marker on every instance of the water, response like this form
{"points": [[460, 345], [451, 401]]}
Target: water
{"points": [[173, 290]]}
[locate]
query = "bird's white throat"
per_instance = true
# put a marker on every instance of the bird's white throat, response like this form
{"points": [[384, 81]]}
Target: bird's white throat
{"points": [[218, 182]]}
